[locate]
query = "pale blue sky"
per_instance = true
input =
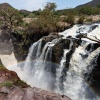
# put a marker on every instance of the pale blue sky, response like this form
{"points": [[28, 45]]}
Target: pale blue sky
{"points": [[36, 4]]}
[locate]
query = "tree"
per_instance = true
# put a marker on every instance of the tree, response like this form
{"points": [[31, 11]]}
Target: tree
{"points": [[10, 17], [50, 6], [46, 21]]}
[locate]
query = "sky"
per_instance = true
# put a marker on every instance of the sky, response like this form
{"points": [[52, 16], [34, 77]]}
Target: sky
{"points": [[39, 4]]}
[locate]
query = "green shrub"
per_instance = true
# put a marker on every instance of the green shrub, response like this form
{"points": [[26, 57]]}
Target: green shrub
{"points": [[31, 15], [81, 20], [88, 20], [70, 19], [98, 5], [43, 25], [2, 68], [20, 82], [7, 84]]}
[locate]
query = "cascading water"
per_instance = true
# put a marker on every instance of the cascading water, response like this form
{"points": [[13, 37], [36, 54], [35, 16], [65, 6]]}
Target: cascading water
{"points": [[34, 51], [74, 86], [36, 63], [37, 70], [60, 71]]}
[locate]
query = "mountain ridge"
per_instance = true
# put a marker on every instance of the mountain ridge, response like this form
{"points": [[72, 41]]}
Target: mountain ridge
{"points": [[7, 5], [92, 3]]}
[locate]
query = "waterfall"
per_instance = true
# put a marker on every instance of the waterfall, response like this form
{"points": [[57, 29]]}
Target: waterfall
{"points": [[37, 68], [81, 63], [74, 86], [70, 75], [34, 53], [60, 72]]}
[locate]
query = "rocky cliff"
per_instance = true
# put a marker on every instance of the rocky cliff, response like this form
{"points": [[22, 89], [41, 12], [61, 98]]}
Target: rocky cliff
{"points": [[5, 41]]}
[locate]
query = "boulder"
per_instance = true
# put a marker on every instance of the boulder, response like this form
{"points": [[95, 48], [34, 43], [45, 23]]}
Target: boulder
{"points": [[5, 90], [16, 94]]}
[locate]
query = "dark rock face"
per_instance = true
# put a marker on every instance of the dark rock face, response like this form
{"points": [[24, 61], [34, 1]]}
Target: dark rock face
{"points": [[5, 42], [51, 37], [57, 53], [19, 51], [64, 44]]}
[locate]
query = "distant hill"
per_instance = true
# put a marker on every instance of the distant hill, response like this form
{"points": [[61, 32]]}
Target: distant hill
{"points": [[25, 12], [5, 6], [92, 3]]}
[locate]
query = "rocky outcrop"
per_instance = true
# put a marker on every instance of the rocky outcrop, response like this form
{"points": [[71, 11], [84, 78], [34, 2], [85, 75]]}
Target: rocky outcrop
{"points": [[5, 41], [57, 52], [51, 37], [12, 88], [34, 94], [6, 47], [11, 42]]}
